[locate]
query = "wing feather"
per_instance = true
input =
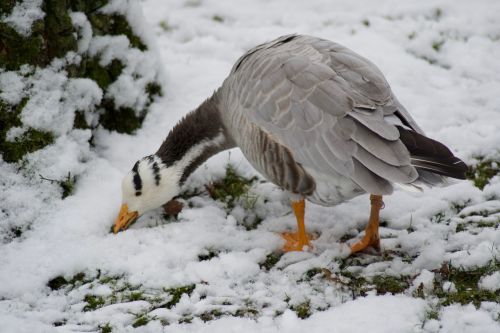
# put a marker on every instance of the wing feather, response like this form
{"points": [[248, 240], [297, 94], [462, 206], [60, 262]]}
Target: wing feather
{"points": [[327, 105]]}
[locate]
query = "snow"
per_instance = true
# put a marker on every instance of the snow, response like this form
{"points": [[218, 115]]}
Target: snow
{"points": [[491, 282], [23, 15], [454, 99]]}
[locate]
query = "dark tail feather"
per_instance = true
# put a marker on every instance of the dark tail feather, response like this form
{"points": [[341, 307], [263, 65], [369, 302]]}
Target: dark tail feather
{"points": [[431, 155]]}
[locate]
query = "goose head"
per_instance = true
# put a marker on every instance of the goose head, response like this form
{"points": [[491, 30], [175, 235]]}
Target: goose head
{"points": [[149, 185]]}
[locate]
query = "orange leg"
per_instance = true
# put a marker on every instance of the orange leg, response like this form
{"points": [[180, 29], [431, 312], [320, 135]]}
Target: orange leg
{"points": [[295, 241], [371, 237]]}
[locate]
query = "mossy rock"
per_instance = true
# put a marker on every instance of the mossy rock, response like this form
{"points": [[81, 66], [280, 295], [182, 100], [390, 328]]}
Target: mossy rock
{"points": [[53, 37], [103, 24], [50, 37], [6, 6], [29, 141]]}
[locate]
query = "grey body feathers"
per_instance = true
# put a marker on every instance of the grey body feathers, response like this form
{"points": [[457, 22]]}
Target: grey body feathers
{"points": [[321, 121]]}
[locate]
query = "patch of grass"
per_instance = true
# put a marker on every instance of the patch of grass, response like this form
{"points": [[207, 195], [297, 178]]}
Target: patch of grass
{"points": [[357, 284], [312, 273], [479, 224], [483, 171], [218, 18], [230, 188], [439, 218], [208, 254], [211, 315], [438, 13], [136, 296], [391, 284], [57, 283], [246, 312], [60, 282], [165, 26], [106, 328], [366, 22], [176, 294], [141, 321], [252, 222], [437, 45], [67, 184], [270, 261], [94, 302], [303, 310], [466, 283]]}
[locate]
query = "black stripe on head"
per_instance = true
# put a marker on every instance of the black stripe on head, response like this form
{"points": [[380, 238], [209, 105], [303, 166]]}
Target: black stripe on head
{"points": [[156, 171], [137, 178]]}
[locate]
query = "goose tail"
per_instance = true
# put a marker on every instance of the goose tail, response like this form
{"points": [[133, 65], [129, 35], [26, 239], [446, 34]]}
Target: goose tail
{"points": [[431, 158]]}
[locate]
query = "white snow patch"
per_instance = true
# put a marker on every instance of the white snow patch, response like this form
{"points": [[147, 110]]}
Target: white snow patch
{"points": [[490, 282], [11, 87], [23, 15]]}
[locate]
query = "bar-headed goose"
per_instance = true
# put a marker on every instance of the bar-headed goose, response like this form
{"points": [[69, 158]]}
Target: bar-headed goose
{"points": [[311, 116]]}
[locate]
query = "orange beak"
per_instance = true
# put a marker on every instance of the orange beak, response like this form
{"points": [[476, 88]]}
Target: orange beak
{"points": [[124, 219]]}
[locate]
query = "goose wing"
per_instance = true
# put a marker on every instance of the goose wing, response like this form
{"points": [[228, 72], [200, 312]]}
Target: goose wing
{"points": [[332, 108]]}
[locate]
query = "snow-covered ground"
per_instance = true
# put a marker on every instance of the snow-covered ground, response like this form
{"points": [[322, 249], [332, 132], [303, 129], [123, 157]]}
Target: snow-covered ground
{"points": [[205, 272]]}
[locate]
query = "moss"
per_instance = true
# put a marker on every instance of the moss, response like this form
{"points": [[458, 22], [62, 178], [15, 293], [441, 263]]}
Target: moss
{"points": [[58, 28], [86, 6], [230, 188], [94, 302], [271, 260], [103, 76], [122, 120], [50, 37], [154, 89], [303, 310], [16, 50], [80, 121], [483, 171], [28, 142], [104, 24], [6, 6]]}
